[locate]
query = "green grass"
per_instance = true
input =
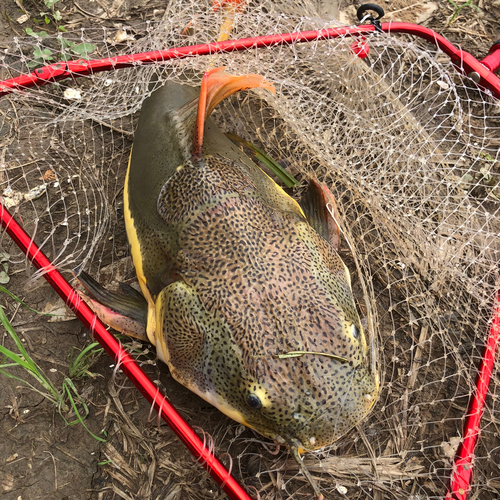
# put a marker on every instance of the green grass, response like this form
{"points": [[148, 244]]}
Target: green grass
{"points": [[67, 400], [458, 8], [23, 360], [68, 50], [80, 366]]}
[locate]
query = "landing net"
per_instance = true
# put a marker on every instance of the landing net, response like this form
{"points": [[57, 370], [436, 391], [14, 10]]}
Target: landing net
{"points": [[410, 150]]}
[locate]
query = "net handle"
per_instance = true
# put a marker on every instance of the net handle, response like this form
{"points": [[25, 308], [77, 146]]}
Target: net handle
{"points": [[492, 60], [122, 359], [465, 63], [461, 475]]}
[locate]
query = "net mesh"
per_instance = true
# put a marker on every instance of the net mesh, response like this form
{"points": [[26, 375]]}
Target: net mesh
{"points": [[410, 150]]}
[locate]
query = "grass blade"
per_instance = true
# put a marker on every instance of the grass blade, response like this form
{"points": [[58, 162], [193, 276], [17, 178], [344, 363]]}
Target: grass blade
{"points": [[18, 360], [6, 324], [17, 299], [80, 366], [68, 386], [25, 361], [276, 168]]}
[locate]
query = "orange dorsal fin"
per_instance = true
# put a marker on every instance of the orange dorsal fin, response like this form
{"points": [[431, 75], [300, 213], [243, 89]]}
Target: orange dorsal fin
{"points": [[230, 9], [216, 85]]}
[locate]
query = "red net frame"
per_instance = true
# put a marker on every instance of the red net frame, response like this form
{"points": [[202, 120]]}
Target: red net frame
{"points": [[482, 72]]}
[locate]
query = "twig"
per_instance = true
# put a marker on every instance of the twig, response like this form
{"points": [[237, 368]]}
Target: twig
{"points": [[473, 33], [70, 456], [112, 127], [371, 453], [7, 18], [55, 469], [46, 358], [20, 5], [417, 361], [88, 14], [15, 311], [404, 8]]}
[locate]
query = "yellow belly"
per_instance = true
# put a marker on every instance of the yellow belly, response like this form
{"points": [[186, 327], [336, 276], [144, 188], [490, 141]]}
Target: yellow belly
{"points": [[135, 248]]}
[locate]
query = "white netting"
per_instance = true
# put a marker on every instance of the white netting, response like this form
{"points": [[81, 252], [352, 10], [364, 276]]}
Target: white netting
{"points": [[409, 148]]}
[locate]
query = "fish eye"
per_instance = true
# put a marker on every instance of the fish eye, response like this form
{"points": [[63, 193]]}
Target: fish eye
{"points": [[253, 401], [355, 331]]}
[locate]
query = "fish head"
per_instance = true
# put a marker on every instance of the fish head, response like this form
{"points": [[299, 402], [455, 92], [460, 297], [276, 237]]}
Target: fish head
{"points": [[311, 403], [305, 399]]}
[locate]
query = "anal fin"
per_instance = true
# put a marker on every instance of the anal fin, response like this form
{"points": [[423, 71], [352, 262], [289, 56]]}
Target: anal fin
{"points": [[125, 311]]}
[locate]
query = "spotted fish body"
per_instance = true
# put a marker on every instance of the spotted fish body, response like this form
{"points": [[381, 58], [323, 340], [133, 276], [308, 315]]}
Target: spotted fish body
{"points": [[236, 279]]}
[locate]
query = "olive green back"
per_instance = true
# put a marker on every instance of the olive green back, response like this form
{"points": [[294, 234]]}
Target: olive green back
{"points": [[162, 144]]}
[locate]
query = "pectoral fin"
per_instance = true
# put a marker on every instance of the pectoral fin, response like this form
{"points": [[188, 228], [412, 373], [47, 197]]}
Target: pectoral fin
{"points": [[192, 342], [125, 311], [320, 209]]}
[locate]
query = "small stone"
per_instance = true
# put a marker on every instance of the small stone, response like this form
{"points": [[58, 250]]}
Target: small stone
{"points": [[72, 94], [450, 447], [22, 19], [342, 489], [122, 36]]}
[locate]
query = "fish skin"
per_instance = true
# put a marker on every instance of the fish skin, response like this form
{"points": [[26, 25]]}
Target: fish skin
{"points": [[235, 276]]}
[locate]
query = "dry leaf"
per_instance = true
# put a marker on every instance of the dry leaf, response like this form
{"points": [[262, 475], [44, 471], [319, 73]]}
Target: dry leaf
{"points": [[59, 310], [428, 12], [49, 175]]}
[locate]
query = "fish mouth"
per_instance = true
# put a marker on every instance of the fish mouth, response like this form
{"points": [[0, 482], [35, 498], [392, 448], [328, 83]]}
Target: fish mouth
{"points": [[321, 428]]}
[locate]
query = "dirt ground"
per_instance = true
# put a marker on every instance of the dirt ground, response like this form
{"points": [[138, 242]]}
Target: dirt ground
{"points": [[40, 456]]}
